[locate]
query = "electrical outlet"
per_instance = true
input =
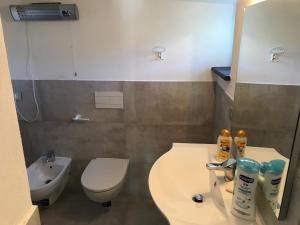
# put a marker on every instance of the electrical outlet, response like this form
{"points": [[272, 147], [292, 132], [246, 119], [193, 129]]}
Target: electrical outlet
{"points": [[18, 96]]}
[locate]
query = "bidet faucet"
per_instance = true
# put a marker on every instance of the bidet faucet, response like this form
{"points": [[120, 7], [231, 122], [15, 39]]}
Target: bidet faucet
{"points": [[49, 157], [227, 166]]}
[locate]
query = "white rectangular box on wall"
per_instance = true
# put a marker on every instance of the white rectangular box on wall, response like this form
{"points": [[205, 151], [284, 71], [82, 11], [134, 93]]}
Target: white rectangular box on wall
{"points": [[109, 100]]}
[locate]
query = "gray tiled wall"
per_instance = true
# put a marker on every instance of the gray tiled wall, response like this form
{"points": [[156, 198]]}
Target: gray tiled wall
{"points": [[223, 111], [269, 113], [155, 115]]}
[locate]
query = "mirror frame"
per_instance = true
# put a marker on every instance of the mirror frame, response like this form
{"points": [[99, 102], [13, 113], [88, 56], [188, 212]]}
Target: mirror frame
{"points": [[295, 152]]}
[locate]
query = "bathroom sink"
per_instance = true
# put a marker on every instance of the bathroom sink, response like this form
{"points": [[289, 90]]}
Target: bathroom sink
{"points": [[180, 174]]}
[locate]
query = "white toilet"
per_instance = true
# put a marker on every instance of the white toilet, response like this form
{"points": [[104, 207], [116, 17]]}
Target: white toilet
{"points": [[103, 179]]}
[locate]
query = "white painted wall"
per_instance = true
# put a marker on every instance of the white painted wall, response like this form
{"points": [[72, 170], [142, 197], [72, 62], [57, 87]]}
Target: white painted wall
{"points": [[270, 24], [229, 87], [15, 202], [113, 40]]}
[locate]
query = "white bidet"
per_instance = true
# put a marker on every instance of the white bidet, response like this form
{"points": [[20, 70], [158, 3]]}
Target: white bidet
{"points": [[47, 180]]}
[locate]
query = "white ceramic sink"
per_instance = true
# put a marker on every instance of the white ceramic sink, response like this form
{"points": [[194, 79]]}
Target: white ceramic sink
{"points": [[176, 177], [180, 174]]}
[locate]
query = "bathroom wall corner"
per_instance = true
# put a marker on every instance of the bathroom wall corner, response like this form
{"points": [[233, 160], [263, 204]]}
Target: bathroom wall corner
{"points": [[35, 217], [222, 112]]}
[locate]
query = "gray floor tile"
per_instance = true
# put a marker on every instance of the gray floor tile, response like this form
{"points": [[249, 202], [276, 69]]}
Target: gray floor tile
{"points": [[76, 209]]}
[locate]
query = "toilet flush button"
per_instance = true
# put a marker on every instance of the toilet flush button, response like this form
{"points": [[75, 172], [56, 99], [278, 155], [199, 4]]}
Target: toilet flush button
{"points": [[109, 100]]}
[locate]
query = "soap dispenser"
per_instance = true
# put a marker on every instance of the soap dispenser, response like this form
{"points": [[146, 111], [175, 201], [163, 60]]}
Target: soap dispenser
{"points": [[243, 202]]}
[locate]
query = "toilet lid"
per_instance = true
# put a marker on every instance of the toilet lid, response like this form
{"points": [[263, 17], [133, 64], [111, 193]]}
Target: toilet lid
{"points": [[103, 174]]}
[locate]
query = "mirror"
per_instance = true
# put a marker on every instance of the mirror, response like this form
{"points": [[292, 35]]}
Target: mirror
{"points": [[267, 93]]}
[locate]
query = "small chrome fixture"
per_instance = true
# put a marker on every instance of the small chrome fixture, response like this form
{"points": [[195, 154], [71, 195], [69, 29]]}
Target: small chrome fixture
{"points": [[49, 157], [198, 198], [158, 51], [276, 53], [227, 166], [79, 118]]}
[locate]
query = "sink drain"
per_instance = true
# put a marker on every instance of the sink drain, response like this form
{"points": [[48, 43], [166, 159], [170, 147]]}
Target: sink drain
{"points": [[198, 198], [47, 181]]}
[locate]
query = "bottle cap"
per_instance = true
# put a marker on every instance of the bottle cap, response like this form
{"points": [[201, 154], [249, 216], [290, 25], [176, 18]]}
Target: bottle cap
{"points": [[241, 133], [276, 167], [248, 165], [225, 133]]}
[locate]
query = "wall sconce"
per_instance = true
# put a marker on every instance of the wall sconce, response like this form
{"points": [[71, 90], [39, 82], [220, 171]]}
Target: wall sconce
{"points": [[158, 51], [276, 53]]}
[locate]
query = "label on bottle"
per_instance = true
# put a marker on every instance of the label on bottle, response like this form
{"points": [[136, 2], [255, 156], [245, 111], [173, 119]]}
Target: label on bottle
{"points": [[240, 146], [271, 188], [224, 147]]}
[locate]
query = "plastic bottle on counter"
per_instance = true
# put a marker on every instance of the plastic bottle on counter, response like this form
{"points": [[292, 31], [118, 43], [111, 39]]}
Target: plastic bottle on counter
{"points": [[243, 201], [224, 146], [240, 141], [272, 181]]}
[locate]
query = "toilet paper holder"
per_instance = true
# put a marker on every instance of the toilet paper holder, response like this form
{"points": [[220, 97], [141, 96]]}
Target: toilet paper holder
{"points": [[79, 118]]}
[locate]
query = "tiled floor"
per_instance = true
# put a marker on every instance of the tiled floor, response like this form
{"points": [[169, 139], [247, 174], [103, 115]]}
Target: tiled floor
{"points": [[76, 209]]}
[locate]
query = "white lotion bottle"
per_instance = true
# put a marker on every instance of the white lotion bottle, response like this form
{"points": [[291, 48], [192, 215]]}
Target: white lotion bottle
{"points": [[272, 181], [246, 177]]}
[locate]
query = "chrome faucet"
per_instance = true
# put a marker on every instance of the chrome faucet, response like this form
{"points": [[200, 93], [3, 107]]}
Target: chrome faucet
{"points": [[48, 157], [227, 166]]}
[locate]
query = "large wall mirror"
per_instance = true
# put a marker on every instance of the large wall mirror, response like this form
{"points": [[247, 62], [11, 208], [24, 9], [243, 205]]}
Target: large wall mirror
{"points": [[267, 95]]}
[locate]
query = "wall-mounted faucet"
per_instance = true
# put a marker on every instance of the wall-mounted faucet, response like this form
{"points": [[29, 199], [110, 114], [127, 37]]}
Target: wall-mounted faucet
{"points": [[48, 157], [227, 166]]}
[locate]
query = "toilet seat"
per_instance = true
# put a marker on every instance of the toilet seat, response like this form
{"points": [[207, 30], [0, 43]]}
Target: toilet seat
{"points": [[104, 174]]}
